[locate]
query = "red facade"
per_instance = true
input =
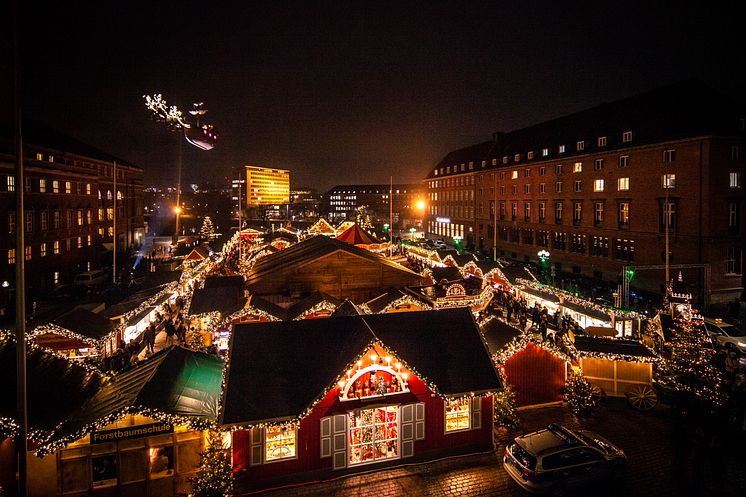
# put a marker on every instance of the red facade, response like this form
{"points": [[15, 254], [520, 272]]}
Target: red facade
{"points": [[435, 443], [536, 375]]}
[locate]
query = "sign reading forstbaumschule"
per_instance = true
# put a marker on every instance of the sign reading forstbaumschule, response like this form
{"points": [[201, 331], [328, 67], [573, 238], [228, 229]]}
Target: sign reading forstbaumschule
{"points": [[104, 436]]}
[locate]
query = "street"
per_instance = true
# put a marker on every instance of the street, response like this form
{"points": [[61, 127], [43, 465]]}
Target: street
{"points": [[646, 438]]}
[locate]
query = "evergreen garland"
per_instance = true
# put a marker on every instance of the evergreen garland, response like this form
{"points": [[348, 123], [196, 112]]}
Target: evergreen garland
{"points": [[215, 476]]}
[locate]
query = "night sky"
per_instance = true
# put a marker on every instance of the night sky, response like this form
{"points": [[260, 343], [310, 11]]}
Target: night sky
{"points": [[352, 93]]}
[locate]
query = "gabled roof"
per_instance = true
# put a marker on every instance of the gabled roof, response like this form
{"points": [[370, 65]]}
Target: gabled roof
{"points": [[512, 273], [346, 308], [448, 273], [224, 281], [305, 359], [588, 346], [462, 259], [85, 323], [160, 278], [224, 299], [174, 381], [132, 302], [322, 226], [309, 302], [355, 235], [498, 334], [267, 307], [588, 311], [379, 303], [486, 266], [55, 386], [549, 296], [310, 250], [199, 253]]}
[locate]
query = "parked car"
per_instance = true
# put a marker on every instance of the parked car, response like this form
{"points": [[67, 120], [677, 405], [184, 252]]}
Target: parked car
{"points": [[557, 459], [440, 245], [726, 334], [90, 278]]}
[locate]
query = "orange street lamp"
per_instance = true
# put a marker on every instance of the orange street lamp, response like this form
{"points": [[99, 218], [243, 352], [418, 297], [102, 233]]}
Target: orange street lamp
{"points": [[420, 204]]}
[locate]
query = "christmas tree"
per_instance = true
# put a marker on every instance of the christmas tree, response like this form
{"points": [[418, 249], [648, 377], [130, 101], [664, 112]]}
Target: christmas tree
{"points": [[207, 231], [579, 395], [504, 402], [689, 369], [215, 476]]}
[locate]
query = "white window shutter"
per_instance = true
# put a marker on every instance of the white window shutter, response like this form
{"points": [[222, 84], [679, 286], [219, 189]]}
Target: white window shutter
{"points": [[406, 413], [476, 413], [339, 441], [419, 421], [325, 431], [257, 446]]}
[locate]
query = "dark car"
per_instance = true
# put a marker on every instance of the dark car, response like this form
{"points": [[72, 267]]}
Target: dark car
{"points": [[557, 459]]}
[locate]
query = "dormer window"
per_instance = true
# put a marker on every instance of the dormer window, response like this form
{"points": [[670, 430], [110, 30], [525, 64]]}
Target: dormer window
{"points": [[517, 157], [581, 145], [627, 137], [601, 141], [530, 155], [562, 149], [544, 152]]}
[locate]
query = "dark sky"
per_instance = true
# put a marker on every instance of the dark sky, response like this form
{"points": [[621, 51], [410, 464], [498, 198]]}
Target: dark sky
{"points": [[347, 92]]}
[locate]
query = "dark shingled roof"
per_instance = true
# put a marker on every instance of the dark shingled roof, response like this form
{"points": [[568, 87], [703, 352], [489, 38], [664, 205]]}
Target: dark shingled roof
{"points": [[309, 250], [347, 308], [160, 278], [132, 302], [588, 311], [306, 303], [448, 273], [379, 303], [487, 266], [512, 273], [56, 386], [267, 307], [224, 299], [444, 346], [174, 381], [551, 297], [224, 281], [85, 323], [498, 334], [618, 346]]}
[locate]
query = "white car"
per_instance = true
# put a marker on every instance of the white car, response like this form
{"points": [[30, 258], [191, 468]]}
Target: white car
{"points": [[726, 334]]}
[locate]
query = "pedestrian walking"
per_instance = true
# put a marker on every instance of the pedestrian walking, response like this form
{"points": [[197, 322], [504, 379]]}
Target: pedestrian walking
{"points": [[149, 338], [170, 332]]}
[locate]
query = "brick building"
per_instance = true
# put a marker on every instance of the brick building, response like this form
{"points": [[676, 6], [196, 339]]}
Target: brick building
{"points": [[343, 200], [69, 208], [599, 188]]}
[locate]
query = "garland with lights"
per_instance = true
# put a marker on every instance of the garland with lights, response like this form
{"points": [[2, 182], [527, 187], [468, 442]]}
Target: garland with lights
{"points": [[505, 413], [521, 342], [51, 328], [404, 299], [579, 395], [215, 475], [324, 305]]}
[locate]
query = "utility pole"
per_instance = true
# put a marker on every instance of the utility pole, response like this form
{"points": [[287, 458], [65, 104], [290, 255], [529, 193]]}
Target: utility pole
{"points": [[21, 439], [494, 218], [391, 210], [114, 227]]}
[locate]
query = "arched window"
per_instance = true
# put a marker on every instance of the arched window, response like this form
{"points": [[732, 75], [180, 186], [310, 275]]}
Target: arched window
{"points": [[99, 194], [108, 194], [119, 195]]}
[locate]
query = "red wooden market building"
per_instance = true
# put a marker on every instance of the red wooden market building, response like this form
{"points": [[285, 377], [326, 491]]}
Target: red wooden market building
{"points": [[317, 398]]}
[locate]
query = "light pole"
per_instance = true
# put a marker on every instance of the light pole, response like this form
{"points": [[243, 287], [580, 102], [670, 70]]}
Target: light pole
{"points": [[177, 211]]}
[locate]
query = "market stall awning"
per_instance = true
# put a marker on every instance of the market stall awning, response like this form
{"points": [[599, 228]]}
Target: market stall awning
{"points": [[223, 299], [630, 349], [85, 323], [224, 281], [266, 307], [588, 311], [277, 370], [355, 235], [175, 381], [346, 308], [541, 294], [448, 273], [314, 301], [56, 386]]}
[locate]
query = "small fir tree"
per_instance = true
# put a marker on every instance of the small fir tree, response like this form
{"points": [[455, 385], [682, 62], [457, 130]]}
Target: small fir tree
{"points": [[505, 413], [579, 395], [215, 476], [207, 231]]}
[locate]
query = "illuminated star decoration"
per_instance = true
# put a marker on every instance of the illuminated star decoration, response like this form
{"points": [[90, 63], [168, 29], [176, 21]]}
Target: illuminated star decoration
{"points": [[171, 115]]}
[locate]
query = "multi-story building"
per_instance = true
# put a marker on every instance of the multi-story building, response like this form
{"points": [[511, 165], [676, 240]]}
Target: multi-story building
{"points": [[69, 208], [266, 186], [344, 200], [599, 189], [305, 204]]}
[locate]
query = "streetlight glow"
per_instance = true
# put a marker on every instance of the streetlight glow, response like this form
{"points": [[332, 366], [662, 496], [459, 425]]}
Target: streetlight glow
{"points": [[177, 210], [420, 204]]}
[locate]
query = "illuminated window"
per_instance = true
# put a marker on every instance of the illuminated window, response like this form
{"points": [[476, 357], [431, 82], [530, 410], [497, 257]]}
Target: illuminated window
{"points": [[530, 155], [669, 181], [80, 242], [544, 152], [28, 253], [458, 414], [627, 137], [110, 231], [55, 186], [11, 256], [56, 278], [88, 240], [39, 156], [373, 434], [119, 195], [56, 247], [514, 174], [100, 214], [601, 141], [87, 188], [622, 184], [562, 149], [11, 183], [79, 217], [735, 179], [623, 217], [42, 185], [598, 185], [88, 216], [68, 187], [108, 194], [280, 442], [43, 250], [577, 167]]}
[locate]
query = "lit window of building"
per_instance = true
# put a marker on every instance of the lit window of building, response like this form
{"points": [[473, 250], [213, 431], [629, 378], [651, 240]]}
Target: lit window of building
{"points": [[43, 250], [622, 184], [68, 187], [577, 167], [28, 253], [280, 442], [11, 256], [55, 186], [623, 217], [598, 185], [514, 174], [735, 179], [42, 185], [11, 183], [56, 247], [544, 152], [458, 414], [669, 181], [562, 149]]}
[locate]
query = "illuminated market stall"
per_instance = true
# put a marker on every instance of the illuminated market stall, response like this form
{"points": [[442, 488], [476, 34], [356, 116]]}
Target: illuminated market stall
{"points": [[395, 300], [368, 391], [468, 292], [78, 333]]}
